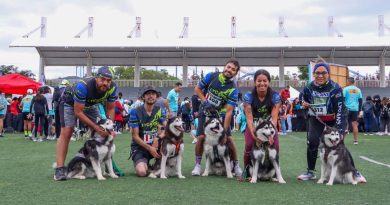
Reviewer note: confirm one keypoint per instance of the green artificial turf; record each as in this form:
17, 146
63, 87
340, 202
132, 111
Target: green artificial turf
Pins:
26, 177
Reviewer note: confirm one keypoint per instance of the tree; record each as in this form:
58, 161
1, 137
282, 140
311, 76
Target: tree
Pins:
303, 73
9, 69
127, 72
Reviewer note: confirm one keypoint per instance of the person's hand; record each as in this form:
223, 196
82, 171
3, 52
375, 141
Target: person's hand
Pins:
360, 114
102, 132
305, 104
153, 151
169, 115
206, 105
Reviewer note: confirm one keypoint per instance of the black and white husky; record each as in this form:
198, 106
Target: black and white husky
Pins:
171, 149
336, 160
217, 155
264, 158
97, 150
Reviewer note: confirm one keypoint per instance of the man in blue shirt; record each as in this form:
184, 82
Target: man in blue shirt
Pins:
219, 91
353, 101
172, 102
147, 123
81, 102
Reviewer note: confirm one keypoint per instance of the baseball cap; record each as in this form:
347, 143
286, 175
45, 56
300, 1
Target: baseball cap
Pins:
106, 72
65, 82
29, 91
147, 89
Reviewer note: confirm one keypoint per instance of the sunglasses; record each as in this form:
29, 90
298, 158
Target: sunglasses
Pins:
321, 73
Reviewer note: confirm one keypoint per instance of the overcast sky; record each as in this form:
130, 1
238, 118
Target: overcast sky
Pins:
164, 19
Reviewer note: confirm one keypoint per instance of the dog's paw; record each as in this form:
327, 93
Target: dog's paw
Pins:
205, 174
79, 177
354, 182
114, 176
253, 180
153, 176
329, 184
182, 177
230, 176
163, 177
282, 181
101, 178
320, 181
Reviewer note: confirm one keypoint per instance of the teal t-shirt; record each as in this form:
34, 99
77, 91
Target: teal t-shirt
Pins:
173, 100
27, 103
352, 94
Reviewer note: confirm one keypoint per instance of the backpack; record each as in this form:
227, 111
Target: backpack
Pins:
117, 110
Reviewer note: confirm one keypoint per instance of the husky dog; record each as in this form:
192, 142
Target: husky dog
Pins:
87, 163
336, 160
171, 150
264, 158
79, 134
217, 155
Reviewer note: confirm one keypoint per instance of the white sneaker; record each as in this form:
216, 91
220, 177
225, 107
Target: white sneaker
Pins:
118, 133
194, 141
196, 171
355, 142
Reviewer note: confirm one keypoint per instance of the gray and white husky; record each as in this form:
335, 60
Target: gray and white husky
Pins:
171, 149
264, 158
217, 154
336, 160
97, 150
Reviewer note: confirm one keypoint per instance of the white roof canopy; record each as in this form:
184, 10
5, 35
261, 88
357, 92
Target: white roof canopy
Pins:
360, 51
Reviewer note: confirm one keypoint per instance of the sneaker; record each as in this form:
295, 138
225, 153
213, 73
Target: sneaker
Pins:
1, 135
360, 178
118, 133
355, 142
196, 171
194, 141
60, 174
306, 176
26, 137
40, 140
34, 139
237, 170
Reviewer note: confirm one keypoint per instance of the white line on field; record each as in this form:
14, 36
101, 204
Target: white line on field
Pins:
375, 162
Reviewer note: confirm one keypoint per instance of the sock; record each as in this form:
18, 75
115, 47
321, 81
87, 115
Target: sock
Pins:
29, 133
25, 132
198, 159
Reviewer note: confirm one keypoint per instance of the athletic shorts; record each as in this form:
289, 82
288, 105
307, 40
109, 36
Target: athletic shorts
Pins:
139, 154
353, 116
25, 116
68, 118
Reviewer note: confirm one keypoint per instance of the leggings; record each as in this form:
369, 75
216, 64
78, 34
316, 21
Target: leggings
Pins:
249, 145
39, 120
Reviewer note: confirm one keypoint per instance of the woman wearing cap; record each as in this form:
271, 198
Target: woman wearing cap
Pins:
325, 99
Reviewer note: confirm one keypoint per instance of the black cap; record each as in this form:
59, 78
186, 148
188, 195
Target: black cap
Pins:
147, 89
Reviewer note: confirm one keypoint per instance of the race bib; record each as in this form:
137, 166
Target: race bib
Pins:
149, 136
320, 110
214, 100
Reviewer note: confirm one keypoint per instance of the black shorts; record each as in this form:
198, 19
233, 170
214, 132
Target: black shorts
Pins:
353, 116
139, 154
25, 116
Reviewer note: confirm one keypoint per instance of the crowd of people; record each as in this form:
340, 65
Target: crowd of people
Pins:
54, 116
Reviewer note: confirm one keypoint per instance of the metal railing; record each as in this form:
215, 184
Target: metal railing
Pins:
240, 83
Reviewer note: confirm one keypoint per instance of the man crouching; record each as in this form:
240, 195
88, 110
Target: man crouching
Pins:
145, 121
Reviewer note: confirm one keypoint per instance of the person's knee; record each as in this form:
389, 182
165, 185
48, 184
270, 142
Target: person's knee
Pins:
141, 169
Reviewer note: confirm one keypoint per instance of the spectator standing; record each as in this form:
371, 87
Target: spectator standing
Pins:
40, 109
3, 109
385, 116
353, 100
285, 93
172, 101
368, 115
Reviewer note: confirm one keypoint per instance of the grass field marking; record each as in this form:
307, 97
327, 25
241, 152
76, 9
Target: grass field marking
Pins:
375, 162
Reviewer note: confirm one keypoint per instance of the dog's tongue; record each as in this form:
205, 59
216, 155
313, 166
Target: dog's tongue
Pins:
180, 128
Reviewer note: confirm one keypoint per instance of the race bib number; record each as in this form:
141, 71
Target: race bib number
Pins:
149, 136
214, 100
320, 110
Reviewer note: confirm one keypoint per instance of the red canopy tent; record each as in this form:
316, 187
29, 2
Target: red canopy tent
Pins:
17, 84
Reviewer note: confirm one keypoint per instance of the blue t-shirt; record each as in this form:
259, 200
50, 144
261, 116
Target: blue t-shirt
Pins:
352, 94
4, 103
173, 100
219, 91
85, 92
134, 120
27, 103
260, 109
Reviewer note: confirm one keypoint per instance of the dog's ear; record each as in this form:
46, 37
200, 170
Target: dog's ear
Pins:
260, 121
326, 127
98, 119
